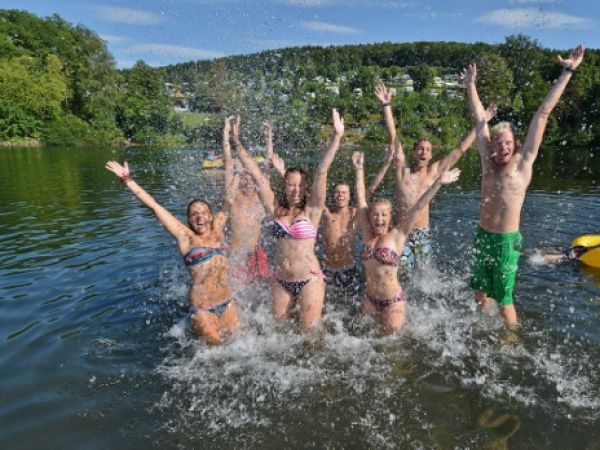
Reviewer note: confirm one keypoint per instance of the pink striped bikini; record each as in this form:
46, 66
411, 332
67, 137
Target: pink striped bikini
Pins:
300, 229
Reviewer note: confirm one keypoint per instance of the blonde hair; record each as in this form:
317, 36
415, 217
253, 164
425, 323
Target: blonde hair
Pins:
380, 201
500, 127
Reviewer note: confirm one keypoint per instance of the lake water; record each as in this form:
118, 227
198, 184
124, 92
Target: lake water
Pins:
95, 351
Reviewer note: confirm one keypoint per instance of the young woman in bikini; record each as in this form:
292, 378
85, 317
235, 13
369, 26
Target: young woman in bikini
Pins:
213, 310
383, 244
297, 274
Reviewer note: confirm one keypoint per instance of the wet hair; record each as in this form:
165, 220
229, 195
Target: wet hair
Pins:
283, 200
503, 126
193, 202
380, 201
421, 139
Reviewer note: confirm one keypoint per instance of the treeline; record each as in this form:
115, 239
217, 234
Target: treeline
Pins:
59, 85
287, 86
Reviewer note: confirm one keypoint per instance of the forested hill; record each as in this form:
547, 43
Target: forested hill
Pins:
59, 85
515, 74
311, 61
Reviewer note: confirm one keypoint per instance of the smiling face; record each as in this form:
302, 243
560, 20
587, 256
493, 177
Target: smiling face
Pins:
503, 143
421, 153
200, 217
295, 188
380, 216
341, 196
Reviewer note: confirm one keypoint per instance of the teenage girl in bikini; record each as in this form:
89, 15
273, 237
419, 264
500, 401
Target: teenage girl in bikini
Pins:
383, 244
213, 311
297, 273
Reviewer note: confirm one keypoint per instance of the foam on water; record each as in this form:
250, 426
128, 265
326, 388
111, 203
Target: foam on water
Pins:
447, 347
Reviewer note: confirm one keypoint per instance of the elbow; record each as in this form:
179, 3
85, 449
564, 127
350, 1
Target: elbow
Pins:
543, 113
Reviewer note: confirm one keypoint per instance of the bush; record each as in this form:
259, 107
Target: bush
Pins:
67, 130
15, 123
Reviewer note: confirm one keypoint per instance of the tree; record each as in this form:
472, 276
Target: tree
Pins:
494, 80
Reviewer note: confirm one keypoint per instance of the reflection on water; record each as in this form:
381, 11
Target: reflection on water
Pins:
92, 314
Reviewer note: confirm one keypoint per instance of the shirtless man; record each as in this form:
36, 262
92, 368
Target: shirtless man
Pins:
506, 169
245, 219
415, 180
339, 232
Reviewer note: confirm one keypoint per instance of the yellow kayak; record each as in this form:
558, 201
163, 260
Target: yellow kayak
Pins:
217, 163
592, 256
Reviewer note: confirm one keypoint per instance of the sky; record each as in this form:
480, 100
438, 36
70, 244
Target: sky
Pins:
162, 32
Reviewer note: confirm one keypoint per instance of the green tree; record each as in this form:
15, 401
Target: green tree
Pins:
494, 80
144, 112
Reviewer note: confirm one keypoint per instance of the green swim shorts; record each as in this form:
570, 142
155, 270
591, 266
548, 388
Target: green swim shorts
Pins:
495, 262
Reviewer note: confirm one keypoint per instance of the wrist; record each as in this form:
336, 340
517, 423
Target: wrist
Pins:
385, 104
125, 178
569, 69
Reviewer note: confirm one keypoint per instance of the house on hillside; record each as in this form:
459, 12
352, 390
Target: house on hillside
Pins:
332, 88
179, 100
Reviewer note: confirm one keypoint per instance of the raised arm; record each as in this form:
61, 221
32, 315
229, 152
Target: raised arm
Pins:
540, 119
227, 157
232, 186
263, 185
319, 186
267, 130
468, 75
272, 159
406, 224
384, 95
452, 158
358, 160
399, 166
387, 161
177, 229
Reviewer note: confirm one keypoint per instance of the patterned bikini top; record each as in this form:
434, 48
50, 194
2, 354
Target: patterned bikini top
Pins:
200, 254
300, 229
383, 255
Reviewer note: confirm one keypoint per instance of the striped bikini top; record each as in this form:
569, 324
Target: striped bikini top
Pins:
383, 255
200, 254
300, 229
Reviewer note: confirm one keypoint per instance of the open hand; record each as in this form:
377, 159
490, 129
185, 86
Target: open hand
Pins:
468, 74
383, 94
449, 176
122, 171
338, 122
358, 160
574, 58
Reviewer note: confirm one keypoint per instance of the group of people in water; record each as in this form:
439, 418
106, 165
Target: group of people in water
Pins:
392, 243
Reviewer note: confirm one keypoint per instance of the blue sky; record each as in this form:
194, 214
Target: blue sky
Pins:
169, 31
